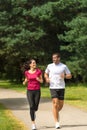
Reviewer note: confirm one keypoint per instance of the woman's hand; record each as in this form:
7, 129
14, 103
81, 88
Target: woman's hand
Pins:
40, 79
37, 78
25, 81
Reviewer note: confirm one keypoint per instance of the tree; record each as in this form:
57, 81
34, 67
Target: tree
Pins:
76, 38
33, 29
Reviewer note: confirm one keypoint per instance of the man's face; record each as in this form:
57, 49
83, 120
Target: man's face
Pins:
55, 59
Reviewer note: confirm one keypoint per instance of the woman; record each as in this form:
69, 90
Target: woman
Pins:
33, 76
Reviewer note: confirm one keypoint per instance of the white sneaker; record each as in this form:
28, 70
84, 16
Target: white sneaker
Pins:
33, 127
57, 126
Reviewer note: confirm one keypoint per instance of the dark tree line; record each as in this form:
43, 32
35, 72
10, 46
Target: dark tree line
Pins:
37, 29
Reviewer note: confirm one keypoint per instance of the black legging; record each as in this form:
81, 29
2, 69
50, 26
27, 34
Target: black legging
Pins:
33, 97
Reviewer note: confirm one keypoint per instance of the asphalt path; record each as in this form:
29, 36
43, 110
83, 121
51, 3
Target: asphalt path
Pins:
71, 118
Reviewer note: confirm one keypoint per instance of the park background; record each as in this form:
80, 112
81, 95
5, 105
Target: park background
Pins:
38, 28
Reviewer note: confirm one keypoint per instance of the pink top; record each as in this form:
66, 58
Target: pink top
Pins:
33, 84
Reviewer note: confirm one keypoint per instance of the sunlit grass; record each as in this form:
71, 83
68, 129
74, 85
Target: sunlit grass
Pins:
76, 93
8, 121
77, 96
45, 92
8, 85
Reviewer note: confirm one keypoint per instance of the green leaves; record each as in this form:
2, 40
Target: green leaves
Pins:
39, 28
76, 36
43, 13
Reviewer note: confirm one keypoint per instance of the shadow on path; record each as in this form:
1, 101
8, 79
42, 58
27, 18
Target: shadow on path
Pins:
79, 125
15, 103
63, 126
19, 103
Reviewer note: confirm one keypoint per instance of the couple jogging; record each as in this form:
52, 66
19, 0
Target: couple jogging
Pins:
55, 73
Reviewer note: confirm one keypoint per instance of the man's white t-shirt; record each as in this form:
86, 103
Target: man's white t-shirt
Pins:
54, 71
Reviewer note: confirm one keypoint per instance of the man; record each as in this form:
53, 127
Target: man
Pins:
55, 74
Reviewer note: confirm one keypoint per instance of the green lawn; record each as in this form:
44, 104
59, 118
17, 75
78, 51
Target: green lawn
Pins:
8, 121
6, 84
75, 94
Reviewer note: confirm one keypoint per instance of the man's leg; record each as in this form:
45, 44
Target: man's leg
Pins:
57, 106
61, 103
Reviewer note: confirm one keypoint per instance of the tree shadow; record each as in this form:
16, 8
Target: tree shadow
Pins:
45, 100
15, 103
76, 125
19, 103
63, 126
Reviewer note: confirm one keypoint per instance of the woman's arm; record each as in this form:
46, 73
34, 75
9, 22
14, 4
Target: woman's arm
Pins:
25, 81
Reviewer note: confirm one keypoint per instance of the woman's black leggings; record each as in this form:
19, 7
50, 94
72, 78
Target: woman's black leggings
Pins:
33, 97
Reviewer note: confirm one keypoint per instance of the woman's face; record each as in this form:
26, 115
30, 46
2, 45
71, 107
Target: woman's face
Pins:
33, 64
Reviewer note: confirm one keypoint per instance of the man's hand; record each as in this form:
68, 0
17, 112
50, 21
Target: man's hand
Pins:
48, 80
62, 75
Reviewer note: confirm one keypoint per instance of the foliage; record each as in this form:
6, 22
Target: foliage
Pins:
76, 36
37, 29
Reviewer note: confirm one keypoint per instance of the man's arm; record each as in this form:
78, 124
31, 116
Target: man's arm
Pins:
46, 76
68, 76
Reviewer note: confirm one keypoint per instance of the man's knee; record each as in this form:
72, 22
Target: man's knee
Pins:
61, 104
55, 104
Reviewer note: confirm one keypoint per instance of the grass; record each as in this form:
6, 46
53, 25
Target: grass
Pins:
8, 85
75, 95
8, 121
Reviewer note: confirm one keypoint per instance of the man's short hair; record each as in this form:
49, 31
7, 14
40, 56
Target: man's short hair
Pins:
57, 54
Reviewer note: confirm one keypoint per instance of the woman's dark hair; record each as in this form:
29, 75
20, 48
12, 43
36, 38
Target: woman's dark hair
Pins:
26, 65
30, 61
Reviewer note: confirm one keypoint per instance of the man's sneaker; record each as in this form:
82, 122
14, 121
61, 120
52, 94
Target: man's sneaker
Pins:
57, 126
33, 127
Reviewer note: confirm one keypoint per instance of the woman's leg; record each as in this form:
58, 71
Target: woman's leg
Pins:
33, 99
37, 99
30, 97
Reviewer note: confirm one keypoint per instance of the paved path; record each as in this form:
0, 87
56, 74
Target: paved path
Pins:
71, 118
